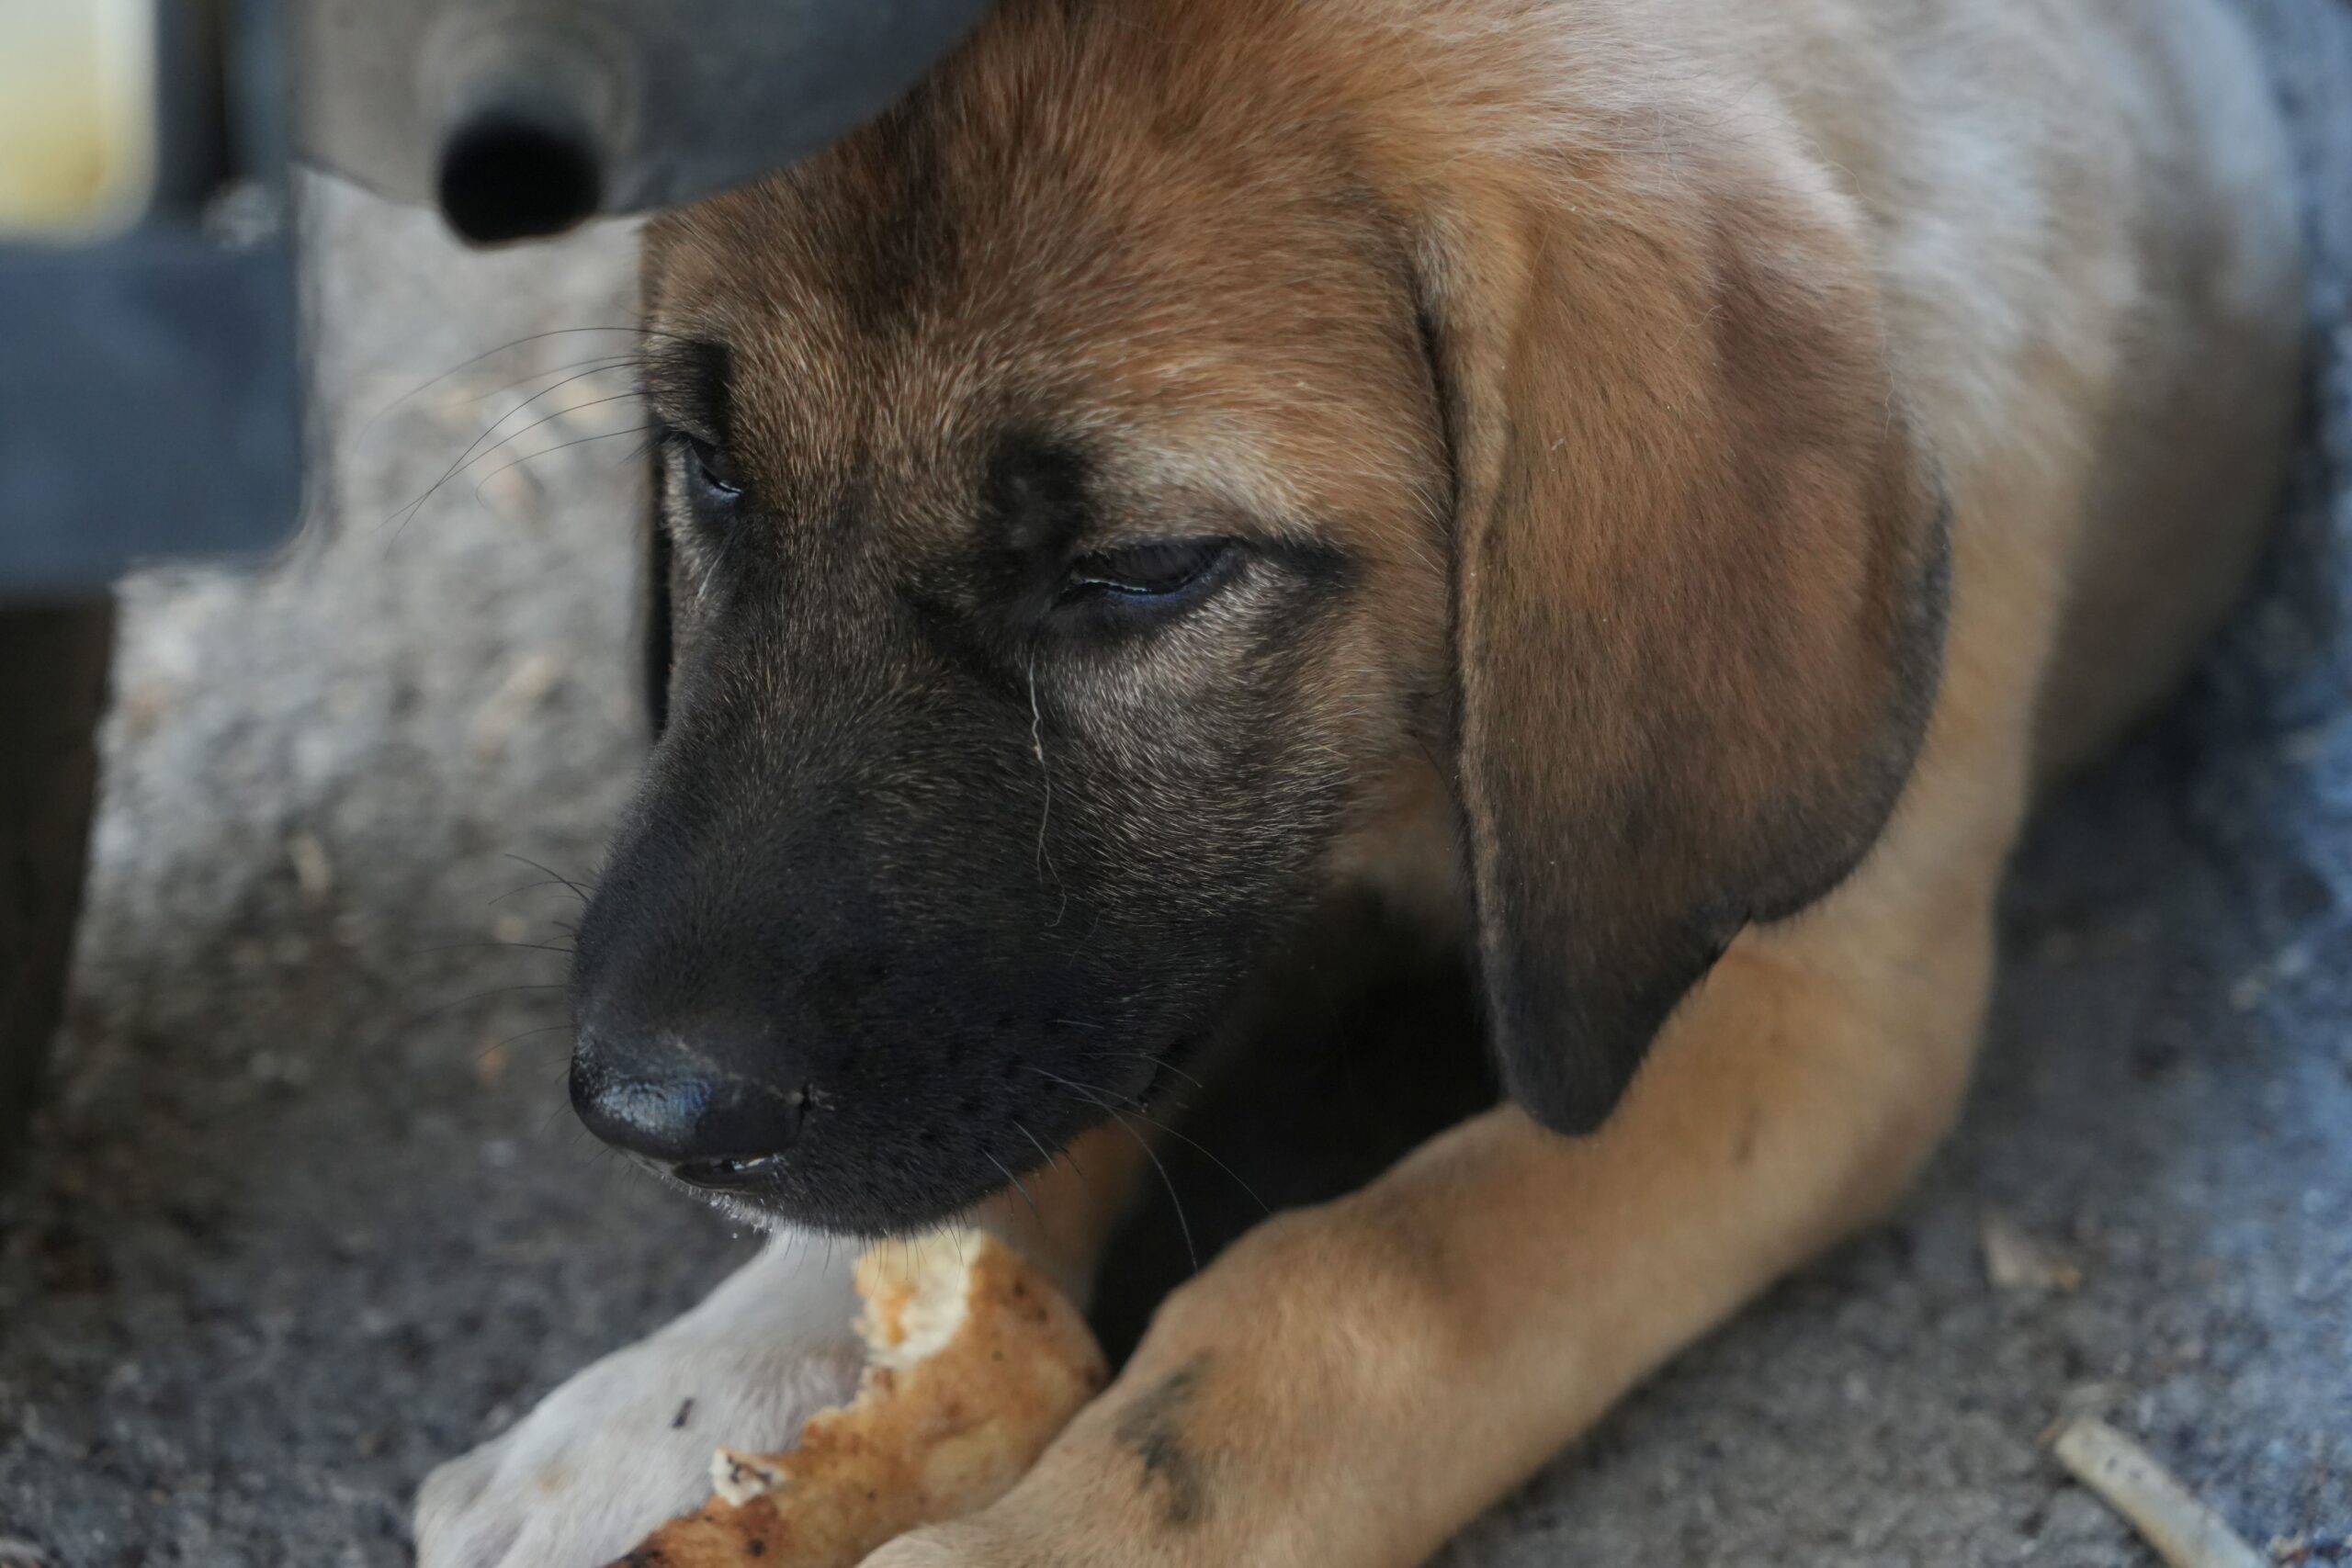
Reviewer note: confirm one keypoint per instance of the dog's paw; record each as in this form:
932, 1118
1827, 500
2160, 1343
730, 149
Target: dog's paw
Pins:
627, 1444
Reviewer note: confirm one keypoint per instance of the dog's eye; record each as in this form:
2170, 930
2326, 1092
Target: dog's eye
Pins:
1161, 572
711, 469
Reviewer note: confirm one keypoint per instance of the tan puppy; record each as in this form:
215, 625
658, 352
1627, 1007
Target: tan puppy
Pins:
1654, 483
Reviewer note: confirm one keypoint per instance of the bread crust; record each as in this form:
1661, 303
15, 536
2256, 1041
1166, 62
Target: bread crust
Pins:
975, 1361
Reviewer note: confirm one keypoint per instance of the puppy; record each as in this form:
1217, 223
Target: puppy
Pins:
1652, 486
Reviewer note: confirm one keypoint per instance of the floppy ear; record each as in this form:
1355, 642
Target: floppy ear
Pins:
1699, 584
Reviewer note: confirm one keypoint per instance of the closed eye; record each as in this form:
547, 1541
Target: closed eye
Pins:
713, 474
1160, 574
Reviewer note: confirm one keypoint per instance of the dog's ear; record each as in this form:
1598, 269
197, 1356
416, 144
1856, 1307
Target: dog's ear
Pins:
1699, 584
657, 645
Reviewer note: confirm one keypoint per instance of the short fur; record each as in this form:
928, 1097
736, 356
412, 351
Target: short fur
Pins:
1689, 469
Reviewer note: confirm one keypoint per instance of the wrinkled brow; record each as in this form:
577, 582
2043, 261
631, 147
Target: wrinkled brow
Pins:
689, 383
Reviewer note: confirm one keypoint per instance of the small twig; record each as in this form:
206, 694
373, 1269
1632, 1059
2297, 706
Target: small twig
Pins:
2184, 1531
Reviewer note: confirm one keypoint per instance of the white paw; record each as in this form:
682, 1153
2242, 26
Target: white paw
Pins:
627, 1443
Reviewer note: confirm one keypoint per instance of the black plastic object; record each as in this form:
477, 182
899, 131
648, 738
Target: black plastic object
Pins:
149, 406
508, 179
151, 395
53, 690
520, 117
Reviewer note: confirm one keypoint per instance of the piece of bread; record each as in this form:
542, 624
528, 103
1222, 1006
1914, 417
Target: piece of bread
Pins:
974, 1361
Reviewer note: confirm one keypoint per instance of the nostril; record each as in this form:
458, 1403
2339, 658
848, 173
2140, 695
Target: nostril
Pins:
711, 1129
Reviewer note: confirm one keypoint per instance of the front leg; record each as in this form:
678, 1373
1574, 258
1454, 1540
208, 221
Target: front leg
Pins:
626, 1442
1351, 1384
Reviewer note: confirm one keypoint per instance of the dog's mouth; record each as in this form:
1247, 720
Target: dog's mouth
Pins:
728, 1175
807, 1185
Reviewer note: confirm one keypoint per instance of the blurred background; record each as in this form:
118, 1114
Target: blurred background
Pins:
304, 1210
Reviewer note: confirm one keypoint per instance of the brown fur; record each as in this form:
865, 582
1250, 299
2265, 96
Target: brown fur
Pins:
1695, 545
1648, 364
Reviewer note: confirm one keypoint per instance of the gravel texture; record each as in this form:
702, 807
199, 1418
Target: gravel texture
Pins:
306, 1211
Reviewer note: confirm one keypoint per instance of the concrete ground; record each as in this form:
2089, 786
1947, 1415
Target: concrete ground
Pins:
307, 1212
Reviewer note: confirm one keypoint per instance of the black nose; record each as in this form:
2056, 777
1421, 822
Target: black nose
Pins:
687, 1098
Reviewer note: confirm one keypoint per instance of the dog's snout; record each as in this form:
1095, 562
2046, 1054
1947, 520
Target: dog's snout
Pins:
673, 1096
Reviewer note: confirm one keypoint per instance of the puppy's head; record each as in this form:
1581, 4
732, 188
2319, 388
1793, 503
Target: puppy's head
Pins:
1099, 493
